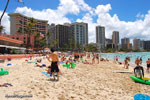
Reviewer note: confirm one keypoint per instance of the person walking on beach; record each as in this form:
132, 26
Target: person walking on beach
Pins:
93, 59
148, 64
54, 64
126, 63
97, 57
140, 60
137, 61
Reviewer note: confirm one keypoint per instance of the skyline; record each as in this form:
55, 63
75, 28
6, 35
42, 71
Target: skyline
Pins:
100, 12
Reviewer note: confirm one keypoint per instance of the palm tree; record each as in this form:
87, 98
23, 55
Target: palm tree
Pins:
29, 31
6, 9
1, 29
52, 43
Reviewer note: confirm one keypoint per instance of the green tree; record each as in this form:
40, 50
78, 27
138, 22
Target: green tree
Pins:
53, 42
90, 48
29, 31
1, 29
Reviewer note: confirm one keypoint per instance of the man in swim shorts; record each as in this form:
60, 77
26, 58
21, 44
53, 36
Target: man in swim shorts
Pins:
54, 64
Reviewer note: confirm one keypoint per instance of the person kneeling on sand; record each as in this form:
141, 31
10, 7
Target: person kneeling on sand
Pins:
54, 64
138, 70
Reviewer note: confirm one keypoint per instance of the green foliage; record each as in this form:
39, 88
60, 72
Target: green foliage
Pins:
1, 28
90, 48
14, 51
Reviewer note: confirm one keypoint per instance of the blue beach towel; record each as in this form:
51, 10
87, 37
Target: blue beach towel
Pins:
49, 75
141, 97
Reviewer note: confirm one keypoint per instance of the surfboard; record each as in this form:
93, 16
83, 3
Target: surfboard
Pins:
120, 71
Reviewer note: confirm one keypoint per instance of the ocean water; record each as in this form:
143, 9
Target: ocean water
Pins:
132, 55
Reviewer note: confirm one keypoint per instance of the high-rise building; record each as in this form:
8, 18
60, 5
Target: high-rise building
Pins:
136, 44
51, 33
141, 44
109, 44
19, 21
147, 45
80, 31
63, 35
125, 43
115, 39
100, 36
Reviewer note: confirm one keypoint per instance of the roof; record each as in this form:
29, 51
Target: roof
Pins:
14, 14
13, 47
10, 40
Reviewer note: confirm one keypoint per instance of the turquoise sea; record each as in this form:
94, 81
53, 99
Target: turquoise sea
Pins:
132, 55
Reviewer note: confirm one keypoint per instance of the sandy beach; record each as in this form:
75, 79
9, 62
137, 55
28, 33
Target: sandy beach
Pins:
84, 82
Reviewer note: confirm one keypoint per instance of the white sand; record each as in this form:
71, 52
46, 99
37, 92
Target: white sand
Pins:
85, 82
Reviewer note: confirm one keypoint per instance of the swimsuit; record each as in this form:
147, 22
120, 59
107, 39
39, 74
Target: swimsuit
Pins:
54, 67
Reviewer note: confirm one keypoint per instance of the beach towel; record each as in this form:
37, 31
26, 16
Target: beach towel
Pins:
49, 75
141, 97
6, 85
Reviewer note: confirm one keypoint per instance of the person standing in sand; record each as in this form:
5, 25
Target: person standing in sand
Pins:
148, 64
54, 64
137, 61
97, 57
93, 59
126, 63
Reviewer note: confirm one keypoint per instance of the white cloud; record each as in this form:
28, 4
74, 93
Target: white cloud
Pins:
139, 28
5, 22
52, 16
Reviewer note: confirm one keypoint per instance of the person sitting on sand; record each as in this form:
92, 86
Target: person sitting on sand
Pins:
138, 70
86, 62
54, 64
88, 56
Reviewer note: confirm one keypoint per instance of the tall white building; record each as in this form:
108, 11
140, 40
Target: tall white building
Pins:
115, 38
100, 36
136, 44
80, 31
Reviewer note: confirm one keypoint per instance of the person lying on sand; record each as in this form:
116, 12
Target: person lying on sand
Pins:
54, 64
138, 70
86, 62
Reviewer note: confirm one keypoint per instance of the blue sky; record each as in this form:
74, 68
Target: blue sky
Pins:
125, 9
130, 17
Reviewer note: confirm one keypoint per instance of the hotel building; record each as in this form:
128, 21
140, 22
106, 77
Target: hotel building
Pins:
19, 21
100, 36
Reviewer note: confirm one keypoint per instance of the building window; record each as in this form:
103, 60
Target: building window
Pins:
17, 38
24, 38
13, 38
